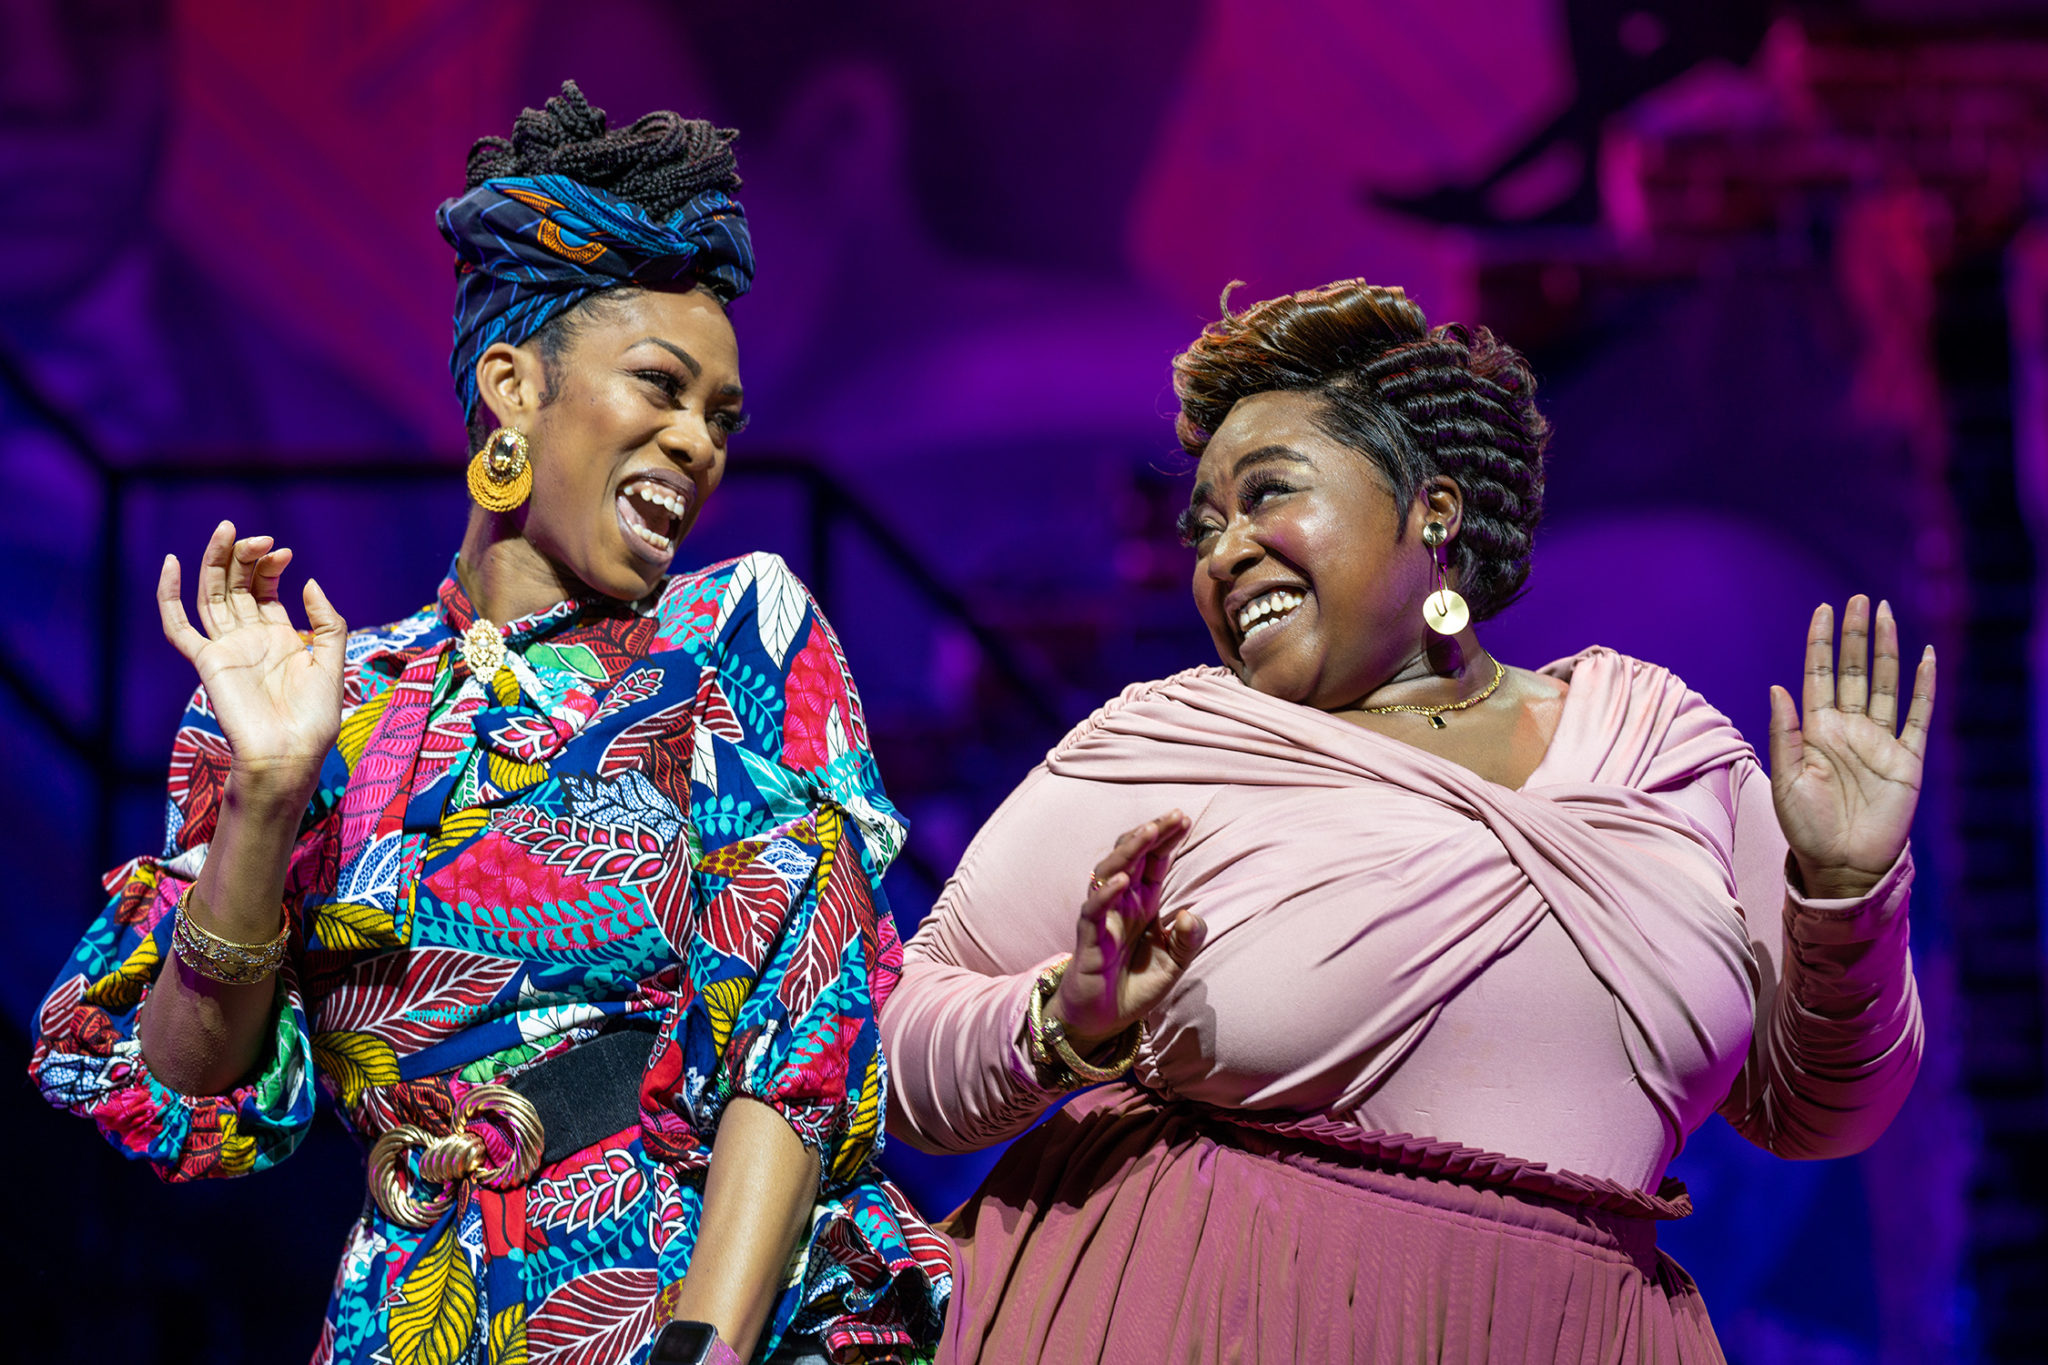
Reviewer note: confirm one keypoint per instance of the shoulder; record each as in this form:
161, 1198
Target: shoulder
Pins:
1647, 726
1156, 694
754, 603
1598, 668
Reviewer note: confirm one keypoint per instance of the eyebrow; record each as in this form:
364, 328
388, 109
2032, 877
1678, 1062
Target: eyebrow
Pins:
1267, 454
689, 361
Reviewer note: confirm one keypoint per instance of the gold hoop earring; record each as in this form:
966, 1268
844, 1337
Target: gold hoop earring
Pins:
501, 474
1443, 611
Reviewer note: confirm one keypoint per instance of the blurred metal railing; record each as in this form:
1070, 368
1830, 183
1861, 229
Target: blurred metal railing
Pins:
828, 507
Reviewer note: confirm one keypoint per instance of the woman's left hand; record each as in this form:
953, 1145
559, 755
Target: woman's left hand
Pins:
1844, 784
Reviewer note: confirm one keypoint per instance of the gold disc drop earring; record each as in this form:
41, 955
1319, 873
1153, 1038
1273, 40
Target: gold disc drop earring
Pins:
501, 474
1443, 611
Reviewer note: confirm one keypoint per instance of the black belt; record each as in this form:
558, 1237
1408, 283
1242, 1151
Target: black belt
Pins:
590, 1092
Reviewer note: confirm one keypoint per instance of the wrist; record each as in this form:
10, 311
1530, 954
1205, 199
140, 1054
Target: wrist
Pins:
1833, 883
271, 790
1089, 1042
1055, 1054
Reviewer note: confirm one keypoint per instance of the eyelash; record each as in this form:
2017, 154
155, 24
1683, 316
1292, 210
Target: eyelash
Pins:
1254, 490
671, 388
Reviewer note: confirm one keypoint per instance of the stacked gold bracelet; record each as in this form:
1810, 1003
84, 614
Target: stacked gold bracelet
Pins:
218, 959
1050, 1048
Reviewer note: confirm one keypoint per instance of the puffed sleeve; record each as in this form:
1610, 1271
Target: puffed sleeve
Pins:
87, 1058
791, 946
1838, 1030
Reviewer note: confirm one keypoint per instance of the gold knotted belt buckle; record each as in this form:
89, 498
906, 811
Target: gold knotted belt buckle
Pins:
454, 1158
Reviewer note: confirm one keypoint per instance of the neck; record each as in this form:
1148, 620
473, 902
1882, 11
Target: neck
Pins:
1440, 659
505, 576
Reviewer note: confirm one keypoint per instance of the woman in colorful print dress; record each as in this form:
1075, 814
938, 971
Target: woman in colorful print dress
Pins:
580, 865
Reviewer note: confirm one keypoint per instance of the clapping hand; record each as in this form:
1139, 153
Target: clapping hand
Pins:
1125, 957
1844, 784
277, 698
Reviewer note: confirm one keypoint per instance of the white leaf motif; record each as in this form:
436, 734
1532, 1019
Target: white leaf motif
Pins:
835, 734
371, 878
791, 860
735, 588
704, 762
541, 1025
779, 603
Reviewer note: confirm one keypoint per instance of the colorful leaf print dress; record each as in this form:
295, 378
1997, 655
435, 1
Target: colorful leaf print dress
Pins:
664, 816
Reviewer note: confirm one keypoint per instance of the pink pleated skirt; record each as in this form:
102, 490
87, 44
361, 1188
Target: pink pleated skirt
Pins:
1132, 1232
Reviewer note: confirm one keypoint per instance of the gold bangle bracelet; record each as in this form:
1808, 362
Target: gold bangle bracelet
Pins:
222, 960
1049, 1045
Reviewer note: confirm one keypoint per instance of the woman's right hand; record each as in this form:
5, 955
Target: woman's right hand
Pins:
1125, 957
277, 700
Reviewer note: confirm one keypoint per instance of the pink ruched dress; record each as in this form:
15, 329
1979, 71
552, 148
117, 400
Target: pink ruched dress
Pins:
1415, 1096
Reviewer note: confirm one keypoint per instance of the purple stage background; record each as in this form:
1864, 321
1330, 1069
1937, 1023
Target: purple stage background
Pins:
1782, 268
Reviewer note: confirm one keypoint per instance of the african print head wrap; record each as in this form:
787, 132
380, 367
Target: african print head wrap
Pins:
529, 248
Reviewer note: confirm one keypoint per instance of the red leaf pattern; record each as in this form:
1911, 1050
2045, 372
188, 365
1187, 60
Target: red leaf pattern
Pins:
659, 746
714, 709
746, 918
611, 855
592, 1193
415, 999
844, 904
599, 1318
199, 773
642, 684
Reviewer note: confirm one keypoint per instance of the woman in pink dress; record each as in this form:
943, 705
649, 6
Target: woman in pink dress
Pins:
1413, 971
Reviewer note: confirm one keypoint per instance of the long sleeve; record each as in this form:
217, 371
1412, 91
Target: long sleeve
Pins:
954, 1029
1838, 1033
788, 949
784, 935
87, 1058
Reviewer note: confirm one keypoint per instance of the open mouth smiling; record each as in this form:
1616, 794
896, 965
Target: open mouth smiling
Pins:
1265, 611
652, 511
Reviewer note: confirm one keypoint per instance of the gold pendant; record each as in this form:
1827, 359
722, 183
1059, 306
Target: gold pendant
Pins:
1437, 722
1445, 612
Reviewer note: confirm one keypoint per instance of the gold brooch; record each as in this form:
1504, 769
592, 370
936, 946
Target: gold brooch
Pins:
483, 649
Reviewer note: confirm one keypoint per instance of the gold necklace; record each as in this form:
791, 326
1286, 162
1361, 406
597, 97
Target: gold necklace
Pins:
1436, 713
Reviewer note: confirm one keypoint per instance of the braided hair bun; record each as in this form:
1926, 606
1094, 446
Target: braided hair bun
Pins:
658, 162
1419, 401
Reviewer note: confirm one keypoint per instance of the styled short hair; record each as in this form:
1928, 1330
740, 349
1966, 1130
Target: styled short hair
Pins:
1418, 401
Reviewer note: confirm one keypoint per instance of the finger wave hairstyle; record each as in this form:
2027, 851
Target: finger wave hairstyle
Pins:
1418, 401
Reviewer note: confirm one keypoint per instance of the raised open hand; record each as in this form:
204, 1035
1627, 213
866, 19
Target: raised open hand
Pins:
1844, 784
278, 701
1125, 957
